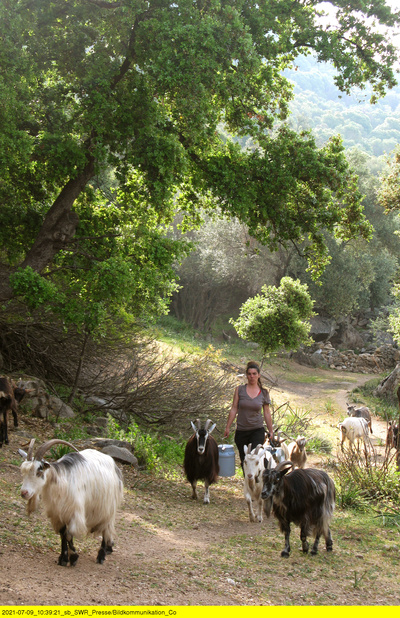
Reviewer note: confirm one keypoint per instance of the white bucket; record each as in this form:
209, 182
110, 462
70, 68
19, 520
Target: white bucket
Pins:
226, 460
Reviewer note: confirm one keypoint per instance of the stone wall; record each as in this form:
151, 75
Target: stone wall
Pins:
376, 360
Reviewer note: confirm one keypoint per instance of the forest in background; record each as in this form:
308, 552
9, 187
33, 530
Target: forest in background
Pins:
132, 132
228, 266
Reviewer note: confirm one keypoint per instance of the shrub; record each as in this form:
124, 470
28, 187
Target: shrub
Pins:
363, 479
154, 452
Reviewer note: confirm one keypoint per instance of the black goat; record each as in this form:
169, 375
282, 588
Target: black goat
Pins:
10, 396
305, 497
201, 459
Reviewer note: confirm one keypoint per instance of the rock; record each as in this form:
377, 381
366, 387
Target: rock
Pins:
318, 359
347, 336
322, 328
101, 421
121, 454
105, 442
59, 408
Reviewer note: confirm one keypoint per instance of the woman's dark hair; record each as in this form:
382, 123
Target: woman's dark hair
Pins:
254, 365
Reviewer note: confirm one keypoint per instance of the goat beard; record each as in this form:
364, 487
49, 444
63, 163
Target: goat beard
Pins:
268, 506
32, 504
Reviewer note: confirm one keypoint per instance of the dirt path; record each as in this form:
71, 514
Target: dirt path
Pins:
173, 551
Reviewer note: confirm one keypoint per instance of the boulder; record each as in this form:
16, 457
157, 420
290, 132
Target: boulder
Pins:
322, 328
60, 409
121, 454
348, 337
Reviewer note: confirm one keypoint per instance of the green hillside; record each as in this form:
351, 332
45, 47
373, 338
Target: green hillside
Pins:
319, 105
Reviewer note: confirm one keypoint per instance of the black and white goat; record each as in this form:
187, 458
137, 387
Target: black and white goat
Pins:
304, 497
254, 463
201, 461
276, 446
80, 492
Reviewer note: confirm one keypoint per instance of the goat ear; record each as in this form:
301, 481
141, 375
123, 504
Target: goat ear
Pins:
245, 449
22, 453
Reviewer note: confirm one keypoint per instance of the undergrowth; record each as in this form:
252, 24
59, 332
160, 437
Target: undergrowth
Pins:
364, 481
155, 452
384, 408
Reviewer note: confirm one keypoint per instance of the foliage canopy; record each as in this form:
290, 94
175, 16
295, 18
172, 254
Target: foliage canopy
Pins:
111, 114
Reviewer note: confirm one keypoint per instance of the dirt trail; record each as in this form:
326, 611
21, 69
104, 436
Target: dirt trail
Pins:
173, 551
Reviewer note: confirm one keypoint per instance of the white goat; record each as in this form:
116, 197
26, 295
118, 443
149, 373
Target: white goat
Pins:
80, 492
254, 463
354, 429
297, 451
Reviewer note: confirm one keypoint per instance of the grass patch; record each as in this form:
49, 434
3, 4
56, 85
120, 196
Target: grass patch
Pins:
379, 406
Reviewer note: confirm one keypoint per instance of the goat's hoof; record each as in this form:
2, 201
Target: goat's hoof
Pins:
62, 561
284, 554
101, 556
73, 559
314, 552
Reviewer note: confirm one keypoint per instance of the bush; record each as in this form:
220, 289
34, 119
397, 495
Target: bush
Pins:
154, 452
363, 480
380, 406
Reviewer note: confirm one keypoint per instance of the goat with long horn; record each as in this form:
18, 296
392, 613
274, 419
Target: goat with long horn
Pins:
81, 492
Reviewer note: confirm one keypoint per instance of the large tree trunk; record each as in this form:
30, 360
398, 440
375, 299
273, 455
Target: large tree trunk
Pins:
58, 227
387, 388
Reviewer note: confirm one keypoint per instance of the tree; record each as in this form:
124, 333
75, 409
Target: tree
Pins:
389, 198
140, 88
276, 318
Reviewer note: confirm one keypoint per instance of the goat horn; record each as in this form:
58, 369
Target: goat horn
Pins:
284, 465
48, 445
29, 456
207, 423
197, 423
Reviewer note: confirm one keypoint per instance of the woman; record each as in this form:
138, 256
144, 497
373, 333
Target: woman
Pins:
248, 401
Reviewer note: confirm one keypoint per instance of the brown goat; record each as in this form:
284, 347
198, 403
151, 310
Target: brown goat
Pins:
304, 497
297, 452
